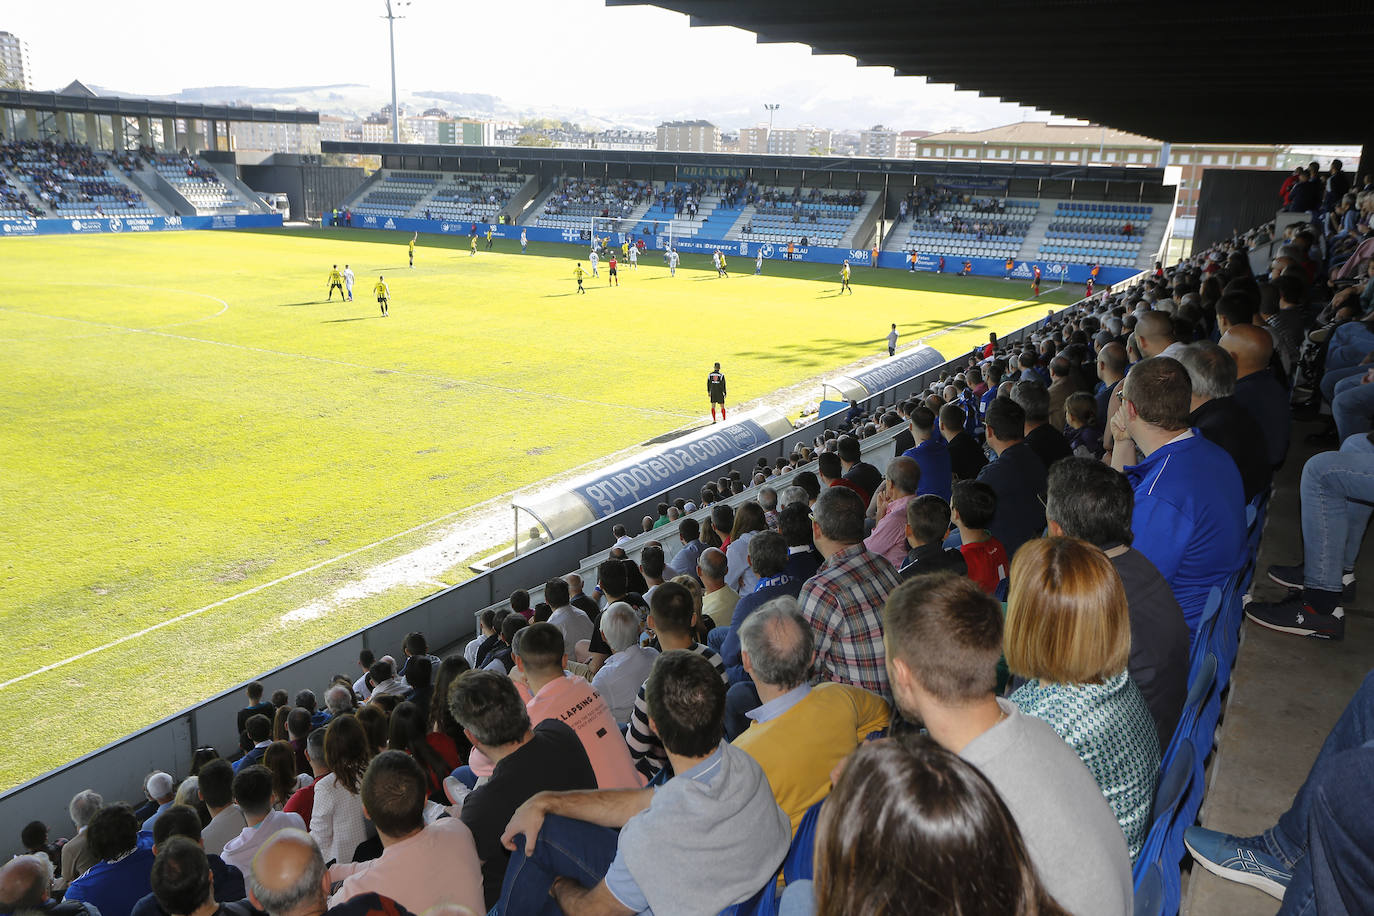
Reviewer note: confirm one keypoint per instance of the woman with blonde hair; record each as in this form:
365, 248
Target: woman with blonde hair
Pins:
1068, 633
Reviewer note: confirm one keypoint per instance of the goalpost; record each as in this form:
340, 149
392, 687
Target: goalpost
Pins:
616, 231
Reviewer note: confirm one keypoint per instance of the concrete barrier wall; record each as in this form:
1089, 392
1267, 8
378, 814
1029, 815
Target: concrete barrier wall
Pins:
118, 769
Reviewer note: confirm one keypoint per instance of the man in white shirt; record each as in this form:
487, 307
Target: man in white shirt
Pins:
253, 794
571, 622
634, 258
594, 258
524, 241
619, 679
348, 281
384, 680
892, 341
672, 262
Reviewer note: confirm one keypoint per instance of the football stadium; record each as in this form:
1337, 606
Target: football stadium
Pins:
387, 506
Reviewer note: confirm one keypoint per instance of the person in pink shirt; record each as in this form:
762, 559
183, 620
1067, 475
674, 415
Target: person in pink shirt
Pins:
422, 865
889, 535
552, 693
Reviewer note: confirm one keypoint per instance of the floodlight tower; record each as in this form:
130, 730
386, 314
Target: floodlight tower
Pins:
391, 18
771, 107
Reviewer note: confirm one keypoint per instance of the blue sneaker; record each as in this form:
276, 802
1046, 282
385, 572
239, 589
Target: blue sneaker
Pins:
1244, 860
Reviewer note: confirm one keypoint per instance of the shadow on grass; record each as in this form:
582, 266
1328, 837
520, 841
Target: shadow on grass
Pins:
359, 318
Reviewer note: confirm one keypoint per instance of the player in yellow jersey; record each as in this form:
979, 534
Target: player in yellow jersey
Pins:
383, 295
336, 282
488, 238
844, 279
412, 248
580, 274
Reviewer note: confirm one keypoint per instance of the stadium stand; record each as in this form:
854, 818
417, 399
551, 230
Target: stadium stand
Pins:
69, 178
821, 217
573, 201
1110, 234
946, 222
461, 196
1177, 574
198, 183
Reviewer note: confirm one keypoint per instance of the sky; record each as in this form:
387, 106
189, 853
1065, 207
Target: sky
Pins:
632, 65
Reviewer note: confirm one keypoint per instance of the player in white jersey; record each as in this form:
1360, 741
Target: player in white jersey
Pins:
715, 261
672, 262
634, 258
524, 241
594, 258
758, 262
348, 281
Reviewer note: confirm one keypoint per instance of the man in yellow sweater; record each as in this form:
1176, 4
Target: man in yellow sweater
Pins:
801, 731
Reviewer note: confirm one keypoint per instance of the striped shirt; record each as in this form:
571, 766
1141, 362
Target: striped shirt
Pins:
843, 602
647, 751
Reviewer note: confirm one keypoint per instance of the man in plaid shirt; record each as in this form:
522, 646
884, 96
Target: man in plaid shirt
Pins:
843, 602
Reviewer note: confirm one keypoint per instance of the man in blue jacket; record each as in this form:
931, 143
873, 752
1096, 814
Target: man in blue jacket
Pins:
1189, 517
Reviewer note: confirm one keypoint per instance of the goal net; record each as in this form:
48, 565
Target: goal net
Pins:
610, 233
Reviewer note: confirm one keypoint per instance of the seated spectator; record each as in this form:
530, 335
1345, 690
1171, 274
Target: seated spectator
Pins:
1154, 335
1068, 632
843, 600
259, 731
1111, 369
927, 523
289, 879
749, 522
216, 780
888, 538
477, 650
684, 562
800, 732
550, 692
901, 811
76, 854
338, 701
945, 639
656, 862
1316, 856
966, 456
973, 511
1222, 420
1189, 517
297, 729
253, 795
303, 801
1046, 440
794, 524
256, 706
619, 679
1336, 503
408, 731
1257, 388
652, 566
1081, 432
120, 878
718, 599
183, 823
831, 472
768, 558
1063, 382
385, 683
672, 619
422, 865
337, 822
613, 580
548, 757
305, 699
931, 453
26, 885
500, 659
1017, 477
1090, 501
280, 761
182, 882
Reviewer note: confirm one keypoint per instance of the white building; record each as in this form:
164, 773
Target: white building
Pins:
689, 136
14, 62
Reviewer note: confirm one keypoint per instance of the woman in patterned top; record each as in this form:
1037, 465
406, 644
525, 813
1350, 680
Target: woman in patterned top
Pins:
1068, 633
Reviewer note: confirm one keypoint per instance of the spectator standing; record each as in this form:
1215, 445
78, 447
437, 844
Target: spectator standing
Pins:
1017, 477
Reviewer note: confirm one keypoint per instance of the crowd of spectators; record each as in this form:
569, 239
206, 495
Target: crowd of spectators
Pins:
184, 164
59, 173
595, 197
1021, 579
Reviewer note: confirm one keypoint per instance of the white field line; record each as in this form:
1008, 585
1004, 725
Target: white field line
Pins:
350, 365
473, 525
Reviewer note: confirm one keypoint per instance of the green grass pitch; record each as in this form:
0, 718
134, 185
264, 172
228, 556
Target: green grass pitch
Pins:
184, 421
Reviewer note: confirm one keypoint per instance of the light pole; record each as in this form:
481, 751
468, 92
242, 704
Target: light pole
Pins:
771, 108
391, 18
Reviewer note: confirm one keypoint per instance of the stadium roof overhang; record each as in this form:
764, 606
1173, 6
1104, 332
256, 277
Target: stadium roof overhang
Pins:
1185, 72
148, 108
528, 156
